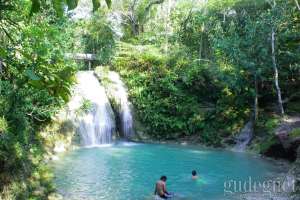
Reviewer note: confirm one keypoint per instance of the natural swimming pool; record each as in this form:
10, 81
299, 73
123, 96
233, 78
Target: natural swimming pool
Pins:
128, 171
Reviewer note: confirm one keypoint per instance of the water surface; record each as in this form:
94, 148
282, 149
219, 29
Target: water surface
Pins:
128, 171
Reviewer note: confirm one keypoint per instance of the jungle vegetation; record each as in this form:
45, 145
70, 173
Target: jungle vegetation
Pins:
197, 69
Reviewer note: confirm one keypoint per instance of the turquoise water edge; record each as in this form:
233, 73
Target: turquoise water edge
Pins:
128, 171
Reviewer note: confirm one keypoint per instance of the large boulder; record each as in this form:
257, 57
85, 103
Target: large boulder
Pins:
60, 135
286, 140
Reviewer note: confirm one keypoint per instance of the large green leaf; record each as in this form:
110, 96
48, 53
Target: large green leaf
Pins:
31, 75
96, 4
36, 84
35, 6
72, 4
59, 6
108, 2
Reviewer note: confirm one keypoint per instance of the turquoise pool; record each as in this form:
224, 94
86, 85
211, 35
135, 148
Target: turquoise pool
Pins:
128, 171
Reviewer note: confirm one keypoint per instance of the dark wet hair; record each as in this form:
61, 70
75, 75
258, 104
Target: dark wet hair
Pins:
194, 173
163, 178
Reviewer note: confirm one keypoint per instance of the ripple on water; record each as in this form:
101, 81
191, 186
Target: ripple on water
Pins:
128, 171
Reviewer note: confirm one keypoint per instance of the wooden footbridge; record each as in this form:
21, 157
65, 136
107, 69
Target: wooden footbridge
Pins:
82, 56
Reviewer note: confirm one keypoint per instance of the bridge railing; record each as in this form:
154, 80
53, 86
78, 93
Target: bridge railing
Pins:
82, 56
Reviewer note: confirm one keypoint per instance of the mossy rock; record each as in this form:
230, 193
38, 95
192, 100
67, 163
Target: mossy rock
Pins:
265, 145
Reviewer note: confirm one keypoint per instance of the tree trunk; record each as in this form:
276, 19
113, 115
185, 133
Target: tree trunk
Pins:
135, 29
1, 65
297, 4
200, 46
276, 74
167, 25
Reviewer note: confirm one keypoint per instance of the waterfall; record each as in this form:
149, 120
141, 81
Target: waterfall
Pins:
97, 124
244, 138
120, 95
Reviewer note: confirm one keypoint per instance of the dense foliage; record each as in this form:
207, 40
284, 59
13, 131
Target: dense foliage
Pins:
35, 82
217, 71
195, 69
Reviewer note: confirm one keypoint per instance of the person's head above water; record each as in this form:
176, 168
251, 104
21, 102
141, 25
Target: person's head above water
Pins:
194, 173
163, 178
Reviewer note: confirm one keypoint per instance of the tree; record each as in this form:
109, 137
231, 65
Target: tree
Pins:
276, 73
274, 21
297, 4
137, 13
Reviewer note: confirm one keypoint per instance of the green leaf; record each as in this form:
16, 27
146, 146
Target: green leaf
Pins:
31, 75
96, 4
108, 3
35, 6
3, 53
36, 84
72, 4
59, 7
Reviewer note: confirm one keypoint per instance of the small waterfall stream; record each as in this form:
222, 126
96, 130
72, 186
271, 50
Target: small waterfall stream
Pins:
120, 95
97, 125
90, 109
244, 138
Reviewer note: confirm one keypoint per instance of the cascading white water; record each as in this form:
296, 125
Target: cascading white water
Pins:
97, 125
244, 138
121, 96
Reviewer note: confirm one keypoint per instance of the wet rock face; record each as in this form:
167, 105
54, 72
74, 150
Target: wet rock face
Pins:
278, 151
286, 144
244, 138
284, 130
118, 95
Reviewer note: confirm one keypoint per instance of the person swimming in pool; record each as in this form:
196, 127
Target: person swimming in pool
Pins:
194, 175
161, 189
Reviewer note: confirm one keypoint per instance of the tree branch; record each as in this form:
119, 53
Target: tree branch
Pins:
297, 4
152, 3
